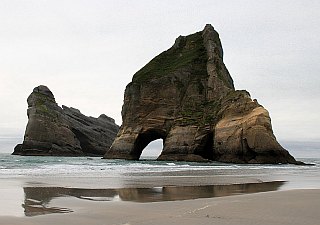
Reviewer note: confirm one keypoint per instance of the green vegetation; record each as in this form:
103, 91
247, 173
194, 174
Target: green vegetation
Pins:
41, 106
204, 113
39, 101
188, 54
192, 54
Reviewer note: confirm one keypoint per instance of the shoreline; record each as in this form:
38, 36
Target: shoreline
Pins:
276, 207
81, 191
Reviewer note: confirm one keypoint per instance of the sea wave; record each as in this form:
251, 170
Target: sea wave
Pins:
21, 166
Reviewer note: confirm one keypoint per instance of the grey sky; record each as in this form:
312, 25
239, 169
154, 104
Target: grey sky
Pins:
87, 51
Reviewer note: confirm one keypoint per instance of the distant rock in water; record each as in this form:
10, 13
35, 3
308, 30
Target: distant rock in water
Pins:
56, 131
186, 97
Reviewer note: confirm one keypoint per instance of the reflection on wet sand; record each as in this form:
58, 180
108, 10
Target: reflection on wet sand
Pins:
35, 208
37, 199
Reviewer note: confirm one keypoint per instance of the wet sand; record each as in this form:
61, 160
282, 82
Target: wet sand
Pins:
178, 198
21, 197
275, 207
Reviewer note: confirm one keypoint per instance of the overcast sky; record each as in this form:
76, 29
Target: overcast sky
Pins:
86, 52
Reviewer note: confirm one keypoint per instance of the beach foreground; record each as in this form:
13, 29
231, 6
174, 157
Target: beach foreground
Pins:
277, 207
76, 191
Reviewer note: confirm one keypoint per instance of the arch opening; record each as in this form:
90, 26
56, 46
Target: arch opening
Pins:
153, 150
144, 139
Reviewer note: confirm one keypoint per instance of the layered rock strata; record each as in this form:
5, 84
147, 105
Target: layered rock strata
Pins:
56, 131
186, 97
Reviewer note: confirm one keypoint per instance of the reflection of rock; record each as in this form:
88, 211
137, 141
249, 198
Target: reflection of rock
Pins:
34, 208
186, 97
46, 194
127, 194
209, 191
56, 131
37, 199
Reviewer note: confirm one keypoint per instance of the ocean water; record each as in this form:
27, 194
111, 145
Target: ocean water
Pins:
37, 167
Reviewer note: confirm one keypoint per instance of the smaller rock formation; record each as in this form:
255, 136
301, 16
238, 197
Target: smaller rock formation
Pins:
56, 131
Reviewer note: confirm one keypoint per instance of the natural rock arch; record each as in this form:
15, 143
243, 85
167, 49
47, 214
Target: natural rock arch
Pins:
186, 96
145, 138
153, 150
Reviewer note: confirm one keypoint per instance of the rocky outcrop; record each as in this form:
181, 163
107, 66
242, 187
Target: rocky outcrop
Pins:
56, 131
186, 97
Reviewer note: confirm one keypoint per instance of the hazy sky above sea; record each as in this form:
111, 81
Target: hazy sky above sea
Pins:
86, 52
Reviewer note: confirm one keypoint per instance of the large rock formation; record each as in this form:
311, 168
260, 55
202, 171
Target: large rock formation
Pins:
56, 131
186, 97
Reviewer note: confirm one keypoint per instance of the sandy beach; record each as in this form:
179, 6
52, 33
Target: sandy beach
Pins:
76, 191
278, 207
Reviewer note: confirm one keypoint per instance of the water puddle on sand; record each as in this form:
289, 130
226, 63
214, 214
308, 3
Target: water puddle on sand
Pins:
38, 200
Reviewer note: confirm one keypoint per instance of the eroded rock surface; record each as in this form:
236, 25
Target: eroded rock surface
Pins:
186, 97
56, 131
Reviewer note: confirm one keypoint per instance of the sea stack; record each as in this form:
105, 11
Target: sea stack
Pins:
186, 97
56, 131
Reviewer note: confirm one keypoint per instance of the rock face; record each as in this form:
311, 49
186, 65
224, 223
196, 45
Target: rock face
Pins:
56, 131
186, 97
